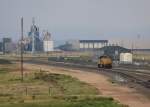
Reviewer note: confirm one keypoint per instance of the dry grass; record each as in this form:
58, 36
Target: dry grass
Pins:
44, 89
40, 83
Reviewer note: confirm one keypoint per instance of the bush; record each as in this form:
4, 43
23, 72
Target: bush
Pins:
4, 61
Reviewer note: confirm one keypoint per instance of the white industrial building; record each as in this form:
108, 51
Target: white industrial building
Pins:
48, 44
85, 45
92, 44
126, 58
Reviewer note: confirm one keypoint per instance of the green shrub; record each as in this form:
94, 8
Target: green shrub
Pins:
4, 61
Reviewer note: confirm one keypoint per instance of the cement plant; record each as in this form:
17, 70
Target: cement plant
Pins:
74, 54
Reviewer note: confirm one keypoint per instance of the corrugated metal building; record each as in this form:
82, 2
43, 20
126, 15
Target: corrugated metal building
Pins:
112, 51
92, 44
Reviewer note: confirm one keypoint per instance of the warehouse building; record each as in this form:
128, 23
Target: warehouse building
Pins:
112, 51
84, 45
92, 44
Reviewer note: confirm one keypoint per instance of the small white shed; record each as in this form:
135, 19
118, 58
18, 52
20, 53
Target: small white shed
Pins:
126, 58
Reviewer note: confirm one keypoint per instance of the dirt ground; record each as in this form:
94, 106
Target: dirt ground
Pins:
123, 94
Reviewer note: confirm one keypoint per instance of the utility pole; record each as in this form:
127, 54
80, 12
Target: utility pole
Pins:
21, 50
132, 47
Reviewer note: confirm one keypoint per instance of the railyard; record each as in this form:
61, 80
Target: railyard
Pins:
131, 76
123, 79
124, 93
47, 86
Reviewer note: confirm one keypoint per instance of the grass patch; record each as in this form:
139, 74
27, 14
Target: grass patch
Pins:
66, 84
3, 70
44, 89
42, 83
69, 102
4, 61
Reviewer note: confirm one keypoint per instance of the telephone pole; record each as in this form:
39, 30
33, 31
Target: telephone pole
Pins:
21, 50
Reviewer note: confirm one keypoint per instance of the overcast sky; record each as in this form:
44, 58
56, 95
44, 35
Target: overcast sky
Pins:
116, 20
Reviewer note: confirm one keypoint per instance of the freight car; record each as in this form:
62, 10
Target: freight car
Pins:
105, 62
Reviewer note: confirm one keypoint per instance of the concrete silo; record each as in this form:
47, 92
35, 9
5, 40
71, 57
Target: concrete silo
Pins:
47, 42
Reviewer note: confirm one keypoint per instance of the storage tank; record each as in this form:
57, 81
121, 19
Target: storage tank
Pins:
126, 58
48, 45
47, 42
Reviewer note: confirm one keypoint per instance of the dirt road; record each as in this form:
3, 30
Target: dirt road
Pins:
124, 95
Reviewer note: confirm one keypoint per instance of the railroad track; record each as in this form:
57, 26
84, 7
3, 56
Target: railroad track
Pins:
141, 78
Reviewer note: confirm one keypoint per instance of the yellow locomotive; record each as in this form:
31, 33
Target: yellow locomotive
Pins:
105, 62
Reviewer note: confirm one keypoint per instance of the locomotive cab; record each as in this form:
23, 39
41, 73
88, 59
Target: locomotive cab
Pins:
105, 62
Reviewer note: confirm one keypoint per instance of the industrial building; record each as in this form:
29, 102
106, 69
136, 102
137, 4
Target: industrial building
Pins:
7, 45
73, 45
35, 42
47, 42
112, 51
126, 58
92, 44
84, 45
1, 46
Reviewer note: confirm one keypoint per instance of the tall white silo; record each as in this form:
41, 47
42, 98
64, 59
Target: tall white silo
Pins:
48, 44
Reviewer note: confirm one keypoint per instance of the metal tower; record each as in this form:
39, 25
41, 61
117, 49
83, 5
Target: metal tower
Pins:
33, 35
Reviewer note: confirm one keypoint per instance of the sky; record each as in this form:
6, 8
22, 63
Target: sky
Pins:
125, 22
